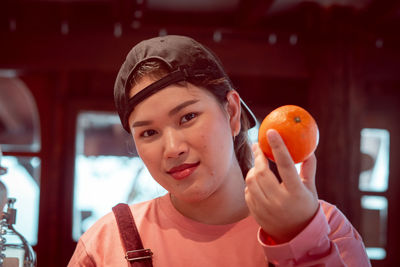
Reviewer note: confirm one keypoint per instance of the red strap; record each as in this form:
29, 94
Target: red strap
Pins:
136, 255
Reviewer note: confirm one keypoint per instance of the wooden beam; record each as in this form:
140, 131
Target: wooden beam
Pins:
379, 11
104, 52
251, 12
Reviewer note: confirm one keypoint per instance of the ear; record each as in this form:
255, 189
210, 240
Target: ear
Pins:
234, 109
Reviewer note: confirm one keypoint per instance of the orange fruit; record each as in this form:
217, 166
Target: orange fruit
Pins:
297, 128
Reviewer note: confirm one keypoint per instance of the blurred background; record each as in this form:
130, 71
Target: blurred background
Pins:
69, 160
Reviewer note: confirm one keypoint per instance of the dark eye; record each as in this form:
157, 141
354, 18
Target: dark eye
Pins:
188, 117
148, 133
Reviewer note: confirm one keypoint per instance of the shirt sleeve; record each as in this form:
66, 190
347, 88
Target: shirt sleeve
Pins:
329, 239
80, 258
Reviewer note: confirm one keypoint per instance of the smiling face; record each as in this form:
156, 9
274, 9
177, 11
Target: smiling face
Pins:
184, 137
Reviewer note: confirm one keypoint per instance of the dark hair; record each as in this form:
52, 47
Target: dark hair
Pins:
157, 69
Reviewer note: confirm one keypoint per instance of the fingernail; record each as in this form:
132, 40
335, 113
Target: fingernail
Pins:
273, 136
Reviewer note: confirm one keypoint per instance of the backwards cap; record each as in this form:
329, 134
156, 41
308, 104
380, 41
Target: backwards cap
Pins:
187, 59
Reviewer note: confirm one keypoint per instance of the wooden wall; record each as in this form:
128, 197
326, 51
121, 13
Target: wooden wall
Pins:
334, 70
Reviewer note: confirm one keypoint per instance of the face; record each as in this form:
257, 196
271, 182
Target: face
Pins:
184, 137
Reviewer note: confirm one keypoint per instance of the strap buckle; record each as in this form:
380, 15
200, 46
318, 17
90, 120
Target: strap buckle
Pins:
138, 254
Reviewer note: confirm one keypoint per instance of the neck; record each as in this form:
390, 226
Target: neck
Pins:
226, 205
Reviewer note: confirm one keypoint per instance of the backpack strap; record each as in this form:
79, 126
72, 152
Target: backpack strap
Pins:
135, 254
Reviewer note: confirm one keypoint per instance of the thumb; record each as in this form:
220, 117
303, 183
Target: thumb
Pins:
307, 173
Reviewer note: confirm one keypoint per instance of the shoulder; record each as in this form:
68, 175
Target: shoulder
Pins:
106, 228
101, 243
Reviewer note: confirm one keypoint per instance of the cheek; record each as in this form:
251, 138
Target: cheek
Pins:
213, 139
147, 154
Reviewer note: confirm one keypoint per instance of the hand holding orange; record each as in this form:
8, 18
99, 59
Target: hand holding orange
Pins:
297, 128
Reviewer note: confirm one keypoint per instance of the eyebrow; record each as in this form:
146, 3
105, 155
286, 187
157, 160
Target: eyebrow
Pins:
170, 113
182, 106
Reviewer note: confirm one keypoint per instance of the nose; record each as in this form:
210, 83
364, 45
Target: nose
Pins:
174, 143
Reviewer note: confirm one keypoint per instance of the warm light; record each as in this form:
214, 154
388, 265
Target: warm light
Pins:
64, 28
162, 32
272, 38
117, 30
217, 36
379, 43
293, 39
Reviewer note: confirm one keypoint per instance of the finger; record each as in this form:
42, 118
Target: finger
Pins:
259, 158
257, 207
262, 169
253, 191
254, 186
283, 159
307, 173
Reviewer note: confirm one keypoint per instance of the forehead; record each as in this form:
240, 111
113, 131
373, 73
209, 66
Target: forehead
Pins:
140, 85
169, 96
148, 80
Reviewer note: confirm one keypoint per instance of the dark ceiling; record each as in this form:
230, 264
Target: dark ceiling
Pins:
123, 16
96, 34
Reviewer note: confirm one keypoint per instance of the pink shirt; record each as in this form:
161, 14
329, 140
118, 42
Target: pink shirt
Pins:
178, 241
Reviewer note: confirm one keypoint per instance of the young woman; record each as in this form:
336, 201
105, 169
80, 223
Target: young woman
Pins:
190, 129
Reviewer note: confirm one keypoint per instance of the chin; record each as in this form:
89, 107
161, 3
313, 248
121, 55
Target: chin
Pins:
193, 196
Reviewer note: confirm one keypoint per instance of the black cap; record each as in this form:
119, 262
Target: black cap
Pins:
187, 59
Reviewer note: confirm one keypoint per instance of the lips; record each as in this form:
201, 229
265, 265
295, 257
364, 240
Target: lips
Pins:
182, 171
